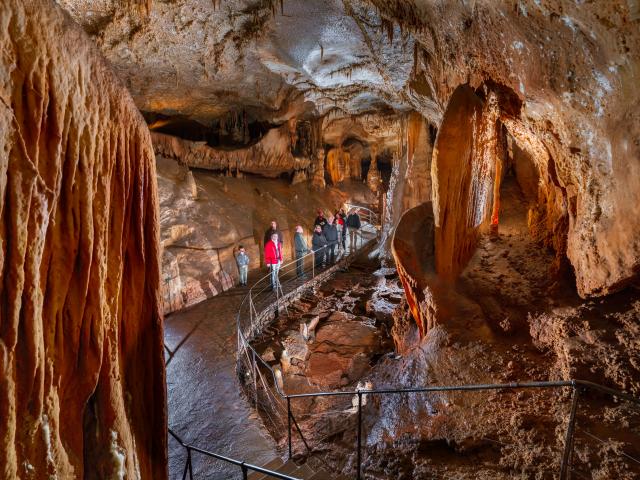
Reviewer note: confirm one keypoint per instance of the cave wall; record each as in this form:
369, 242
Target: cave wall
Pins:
575, 69
82, 385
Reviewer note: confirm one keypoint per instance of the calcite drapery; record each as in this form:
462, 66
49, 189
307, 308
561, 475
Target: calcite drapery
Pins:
463, 171
82, 386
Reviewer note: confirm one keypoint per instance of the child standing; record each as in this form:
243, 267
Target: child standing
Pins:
242, 259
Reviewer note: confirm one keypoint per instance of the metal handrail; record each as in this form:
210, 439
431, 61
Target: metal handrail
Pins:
575, 385
243, 465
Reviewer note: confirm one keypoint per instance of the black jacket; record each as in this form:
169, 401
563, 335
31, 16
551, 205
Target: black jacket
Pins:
271, 231
353, 221
322, 221
330, 232
318, 241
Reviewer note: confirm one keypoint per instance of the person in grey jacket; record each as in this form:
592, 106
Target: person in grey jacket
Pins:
242, 259
300, 245
331, 234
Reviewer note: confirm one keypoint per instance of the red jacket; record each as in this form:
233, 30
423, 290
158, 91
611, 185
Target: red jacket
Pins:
272, 253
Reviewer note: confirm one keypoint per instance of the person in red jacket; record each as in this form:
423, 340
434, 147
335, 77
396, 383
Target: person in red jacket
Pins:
273, 258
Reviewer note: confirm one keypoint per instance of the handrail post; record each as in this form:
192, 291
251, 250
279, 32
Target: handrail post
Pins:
245, 471
359, 434
289, 423
568, 442
255, 376
187, 465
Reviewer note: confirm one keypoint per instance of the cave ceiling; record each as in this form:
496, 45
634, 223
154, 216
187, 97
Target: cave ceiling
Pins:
203, 59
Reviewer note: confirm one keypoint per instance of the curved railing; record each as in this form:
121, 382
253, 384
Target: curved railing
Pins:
264, 384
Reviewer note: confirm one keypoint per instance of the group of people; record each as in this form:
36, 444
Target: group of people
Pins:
328, 237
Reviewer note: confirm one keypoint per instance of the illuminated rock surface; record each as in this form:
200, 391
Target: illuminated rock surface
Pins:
82, 385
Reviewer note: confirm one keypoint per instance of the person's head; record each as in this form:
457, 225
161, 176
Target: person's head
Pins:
274, 238
330, 219
241, 249
274, 225
299, 228
342, 211
318, 229
320, 213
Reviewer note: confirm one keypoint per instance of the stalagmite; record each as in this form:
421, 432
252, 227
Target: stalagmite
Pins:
373, 175
82, 383
462, 172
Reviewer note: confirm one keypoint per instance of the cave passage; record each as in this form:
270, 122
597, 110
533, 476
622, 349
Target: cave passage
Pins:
472, 167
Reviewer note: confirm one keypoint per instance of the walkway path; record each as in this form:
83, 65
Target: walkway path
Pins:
205, 405
204, 400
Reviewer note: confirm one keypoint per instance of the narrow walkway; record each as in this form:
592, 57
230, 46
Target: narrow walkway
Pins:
205, 405
204, 400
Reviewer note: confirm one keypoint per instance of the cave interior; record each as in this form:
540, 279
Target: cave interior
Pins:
497, 146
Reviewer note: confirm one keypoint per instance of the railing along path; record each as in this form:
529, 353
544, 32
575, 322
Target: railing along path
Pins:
262, 304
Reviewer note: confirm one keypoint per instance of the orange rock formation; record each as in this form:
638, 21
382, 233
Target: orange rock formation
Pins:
82, 385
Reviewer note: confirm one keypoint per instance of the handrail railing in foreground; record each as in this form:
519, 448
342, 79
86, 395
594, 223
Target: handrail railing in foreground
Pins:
254, 296
244, 466
276, 403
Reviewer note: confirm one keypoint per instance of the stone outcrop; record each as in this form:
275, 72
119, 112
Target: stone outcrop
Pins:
413, 249
82, 384
270, 157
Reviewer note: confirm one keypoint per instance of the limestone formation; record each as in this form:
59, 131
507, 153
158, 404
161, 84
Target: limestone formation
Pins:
82, 382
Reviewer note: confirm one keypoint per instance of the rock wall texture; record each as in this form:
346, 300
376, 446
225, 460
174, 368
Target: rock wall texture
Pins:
200, 234
270, 157
82, 386
565, 77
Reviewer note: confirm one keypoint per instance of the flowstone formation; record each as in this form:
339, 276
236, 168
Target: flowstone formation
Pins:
82, 385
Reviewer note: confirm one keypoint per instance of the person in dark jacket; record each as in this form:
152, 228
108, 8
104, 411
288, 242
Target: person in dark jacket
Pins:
331, 234
273, 229
353, 225
301, 248
318, 244
320, 220
343, 216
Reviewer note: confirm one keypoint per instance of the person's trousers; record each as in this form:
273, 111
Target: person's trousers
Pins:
353, 239
275, 269
319, 257
299, 263
331, 253
244, 269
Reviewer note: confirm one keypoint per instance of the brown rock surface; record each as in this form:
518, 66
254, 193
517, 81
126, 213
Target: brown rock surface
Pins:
82, 385
200, 236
